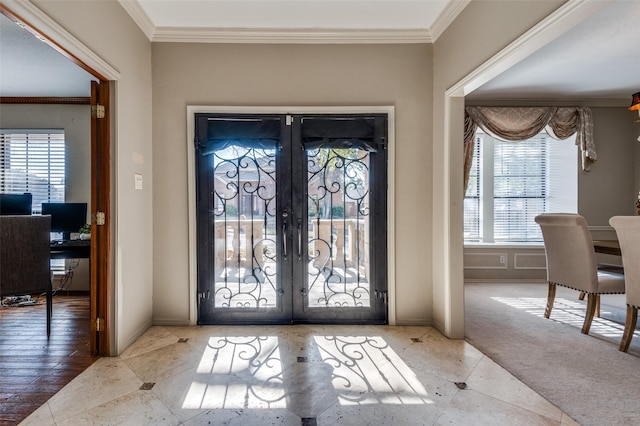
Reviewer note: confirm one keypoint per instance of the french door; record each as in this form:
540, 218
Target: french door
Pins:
291, 218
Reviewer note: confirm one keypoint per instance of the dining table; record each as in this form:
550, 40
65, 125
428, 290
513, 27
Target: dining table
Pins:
611, 247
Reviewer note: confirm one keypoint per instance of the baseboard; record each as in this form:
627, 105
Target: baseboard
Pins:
505, 281
135, 336
439, 326
416, 322
73, 293
171, 322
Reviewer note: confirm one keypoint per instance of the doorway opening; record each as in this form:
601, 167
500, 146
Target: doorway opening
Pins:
99, 99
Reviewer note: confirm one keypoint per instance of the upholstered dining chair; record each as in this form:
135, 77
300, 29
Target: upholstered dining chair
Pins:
628, 230
25, 258
571, 262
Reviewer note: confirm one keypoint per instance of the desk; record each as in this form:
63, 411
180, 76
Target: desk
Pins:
611, 247
70, 249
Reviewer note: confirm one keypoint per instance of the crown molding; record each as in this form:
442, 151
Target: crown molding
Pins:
556, 101
139, 16
293, 35
446, 17
289, 36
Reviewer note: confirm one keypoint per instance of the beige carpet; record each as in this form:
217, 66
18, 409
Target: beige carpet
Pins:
585, 376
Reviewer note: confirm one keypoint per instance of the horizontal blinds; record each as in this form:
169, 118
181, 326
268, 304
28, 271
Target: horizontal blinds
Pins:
472, 198
520, 188
35, 163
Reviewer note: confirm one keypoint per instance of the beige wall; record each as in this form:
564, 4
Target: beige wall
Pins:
609, 189
481, 30
293, 75
106, 29
636, 138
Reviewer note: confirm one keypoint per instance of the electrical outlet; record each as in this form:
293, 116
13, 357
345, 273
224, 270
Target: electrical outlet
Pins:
503, 259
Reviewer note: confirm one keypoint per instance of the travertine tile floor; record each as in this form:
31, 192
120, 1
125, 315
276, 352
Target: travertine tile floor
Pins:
297, 375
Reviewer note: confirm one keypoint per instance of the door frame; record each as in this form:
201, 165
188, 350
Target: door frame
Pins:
191, 183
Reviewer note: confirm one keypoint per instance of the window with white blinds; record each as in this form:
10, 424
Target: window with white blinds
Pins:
472, 198
33, 161
519, 189
513, 182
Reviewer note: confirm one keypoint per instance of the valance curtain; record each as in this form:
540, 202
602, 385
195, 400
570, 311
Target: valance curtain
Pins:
249, 132
339, 132
521, 123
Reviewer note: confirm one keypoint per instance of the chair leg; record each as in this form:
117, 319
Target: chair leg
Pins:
49, 311
593, 301
582, 294
551, 296
629, 327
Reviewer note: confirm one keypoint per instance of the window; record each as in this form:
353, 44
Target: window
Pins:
33, 161
472, 198
510, 183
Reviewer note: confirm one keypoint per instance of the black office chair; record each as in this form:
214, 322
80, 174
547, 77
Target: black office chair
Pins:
25, 258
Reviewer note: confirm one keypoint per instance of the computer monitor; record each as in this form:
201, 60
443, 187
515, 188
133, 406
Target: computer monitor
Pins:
16, 204
66, 217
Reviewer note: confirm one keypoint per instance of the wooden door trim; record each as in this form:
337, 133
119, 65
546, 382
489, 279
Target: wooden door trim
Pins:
100, 233
45, 100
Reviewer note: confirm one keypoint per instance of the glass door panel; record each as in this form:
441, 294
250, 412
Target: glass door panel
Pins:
240, 202
244, 192
339, 192
338, 231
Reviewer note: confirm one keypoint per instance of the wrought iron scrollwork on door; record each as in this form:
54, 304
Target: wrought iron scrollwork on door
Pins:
245, 227
338, 211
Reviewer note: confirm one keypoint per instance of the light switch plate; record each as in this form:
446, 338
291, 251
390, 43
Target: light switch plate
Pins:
138, 180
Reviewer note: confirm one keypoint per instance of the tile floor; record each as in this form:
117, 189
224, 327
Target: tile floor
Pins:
297, 375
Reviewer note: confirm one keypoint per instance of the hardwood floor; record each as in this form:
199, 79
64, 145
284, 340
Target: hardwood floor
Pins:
32, 368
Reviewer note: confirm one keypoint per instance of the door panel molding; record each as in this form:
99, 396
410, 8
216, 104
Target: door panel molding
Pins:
390, 205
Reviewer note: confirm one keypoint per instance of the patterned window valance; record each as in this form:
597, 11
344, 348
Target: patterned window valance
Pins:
520, 123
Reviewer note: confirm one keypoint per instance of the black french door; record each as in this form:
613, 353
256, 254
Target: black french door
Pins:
291, 218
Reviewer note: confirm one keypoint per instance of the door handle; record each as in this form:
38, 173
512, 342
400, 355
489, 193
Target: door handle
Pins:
285, 214
299, 239
284, 240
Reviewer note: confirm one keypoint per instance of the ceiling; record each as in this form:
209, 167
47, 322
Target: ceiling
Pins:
30, 67
599, 59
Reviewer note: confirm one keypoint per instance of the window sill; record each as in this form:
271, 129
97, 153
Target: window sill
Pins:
518, 245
